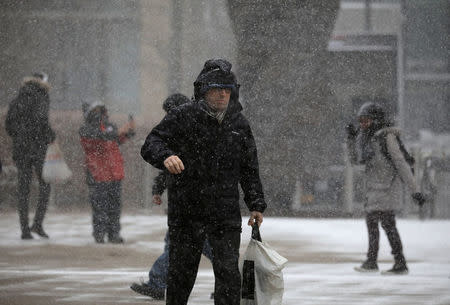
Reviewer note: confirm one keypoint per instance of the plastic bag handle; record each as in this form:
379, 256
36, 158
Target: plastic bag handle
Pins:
255, 232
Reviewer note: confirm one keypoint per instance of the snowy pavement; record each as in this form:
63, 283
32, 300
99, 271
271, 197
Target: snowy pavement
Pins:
70, 268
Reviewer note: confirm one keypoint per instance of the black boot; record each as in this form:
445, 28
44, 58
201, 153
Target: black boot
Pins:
399, 268
26, 234
367, 266
99, 238
23, 217
39, 231
144, 289
116, 239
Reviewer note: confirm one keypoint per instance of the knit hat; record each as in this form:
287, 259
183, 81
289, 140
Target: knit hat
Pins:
216, 73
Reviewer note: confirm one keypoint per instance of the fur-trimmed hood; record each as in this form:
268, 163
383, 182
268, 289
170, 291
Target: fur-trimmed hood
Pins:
31, 80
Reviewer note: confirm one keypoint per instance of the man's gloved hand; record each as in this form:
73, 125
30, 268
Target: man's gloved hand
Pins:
351, 131
419, 198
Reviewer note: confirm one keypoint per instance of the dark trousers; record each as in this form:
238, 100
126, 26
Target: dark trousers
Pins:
186, 244
158, 273
105, 199
25, 165
387, 219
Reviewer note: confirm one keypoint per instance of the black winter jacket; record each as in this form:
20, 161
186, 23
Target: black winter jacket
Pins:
216, 158
27, 119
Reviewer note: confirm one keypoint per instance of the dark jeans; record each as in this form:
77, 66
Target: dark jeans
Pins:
157, 276
105, 198
25, 165
185, 249
387, 219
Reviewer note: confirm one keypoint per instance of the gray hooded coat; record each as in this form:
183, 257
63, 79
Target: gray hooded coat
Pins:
384, 178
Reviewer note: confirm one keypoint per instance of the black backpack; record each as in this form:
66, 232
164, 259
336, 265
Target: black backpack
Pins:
408, 157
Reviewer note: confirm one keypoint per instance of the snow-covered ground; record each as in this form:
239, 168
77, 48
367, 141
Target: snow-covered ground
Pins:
70, 268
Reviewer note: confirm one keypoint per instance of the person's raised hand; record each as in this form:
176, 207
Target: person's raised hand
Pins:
351, 131
174, 164
419, 198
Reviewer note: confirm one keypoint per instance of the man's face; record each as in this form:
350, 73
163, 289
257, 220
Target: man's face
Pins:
218, 98
365, 122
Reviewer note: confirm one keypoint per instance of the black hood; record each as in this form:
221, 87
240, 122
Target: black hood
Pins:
216, 73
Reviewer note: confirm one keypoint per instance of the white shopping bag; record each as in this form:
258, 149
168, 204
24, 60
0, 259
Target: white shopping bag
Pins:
261, 270
55, 169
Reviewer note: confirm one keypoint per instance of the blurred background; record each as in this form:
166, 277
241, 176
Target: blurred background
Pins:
305, 67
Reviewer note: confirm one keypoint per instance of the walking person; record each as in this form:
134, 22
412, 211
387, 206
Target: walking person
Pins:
156, 285
208, 148
377, 146
28, 126
100, 140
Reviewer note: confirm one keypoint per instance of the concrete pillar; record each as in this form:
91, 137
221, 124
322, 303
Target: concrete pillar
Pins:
154, 65
286, 92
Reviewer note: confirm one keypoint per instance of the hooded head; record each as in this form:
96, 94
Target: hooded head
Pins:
375, 113
216, 73
95, 112
174, 101
36, 82
41, 75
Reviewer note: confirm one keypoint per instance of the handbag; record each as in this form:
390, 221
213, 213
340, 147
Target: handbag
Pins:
261, 270
55, 169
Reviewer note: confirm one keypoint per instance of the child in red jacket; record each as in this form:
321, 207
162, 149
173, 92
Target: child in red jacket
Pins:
100, 140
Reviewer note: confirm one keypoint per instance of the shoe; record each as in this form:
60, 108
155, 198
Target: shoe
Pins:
397, 269
99, 240
144, 289
26, 235
368, 267
39, 231
116, 240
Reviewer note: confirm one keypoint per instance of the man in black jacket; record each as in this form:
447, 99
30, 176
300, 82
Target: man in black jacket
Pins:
27, 124
208, 147
156, 285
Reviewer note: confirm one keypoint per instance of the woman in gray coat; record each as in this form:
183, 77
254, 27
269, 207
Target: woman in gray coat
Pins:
376, 145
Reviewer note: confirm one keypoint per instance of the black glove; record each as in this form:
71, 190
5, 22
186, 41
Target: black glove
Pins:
351, 131
419, 198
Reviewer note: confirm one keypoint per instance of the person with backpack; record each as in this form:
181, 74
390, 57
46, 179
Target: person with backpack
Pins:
377, 145
156, 285
28, 125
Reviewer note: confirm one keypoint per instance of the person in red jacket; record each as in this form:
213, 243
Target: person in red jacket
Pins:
100, 140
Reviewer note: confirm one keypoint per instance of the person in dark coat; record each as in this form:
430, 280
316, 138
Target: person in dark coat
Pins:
376, 145
156, 285
100, 140
208, 148
28, 126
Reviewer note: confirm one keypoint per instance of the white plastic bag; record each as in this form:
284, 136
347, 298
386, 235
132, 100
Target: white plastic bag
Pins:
55, 169
265, 265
